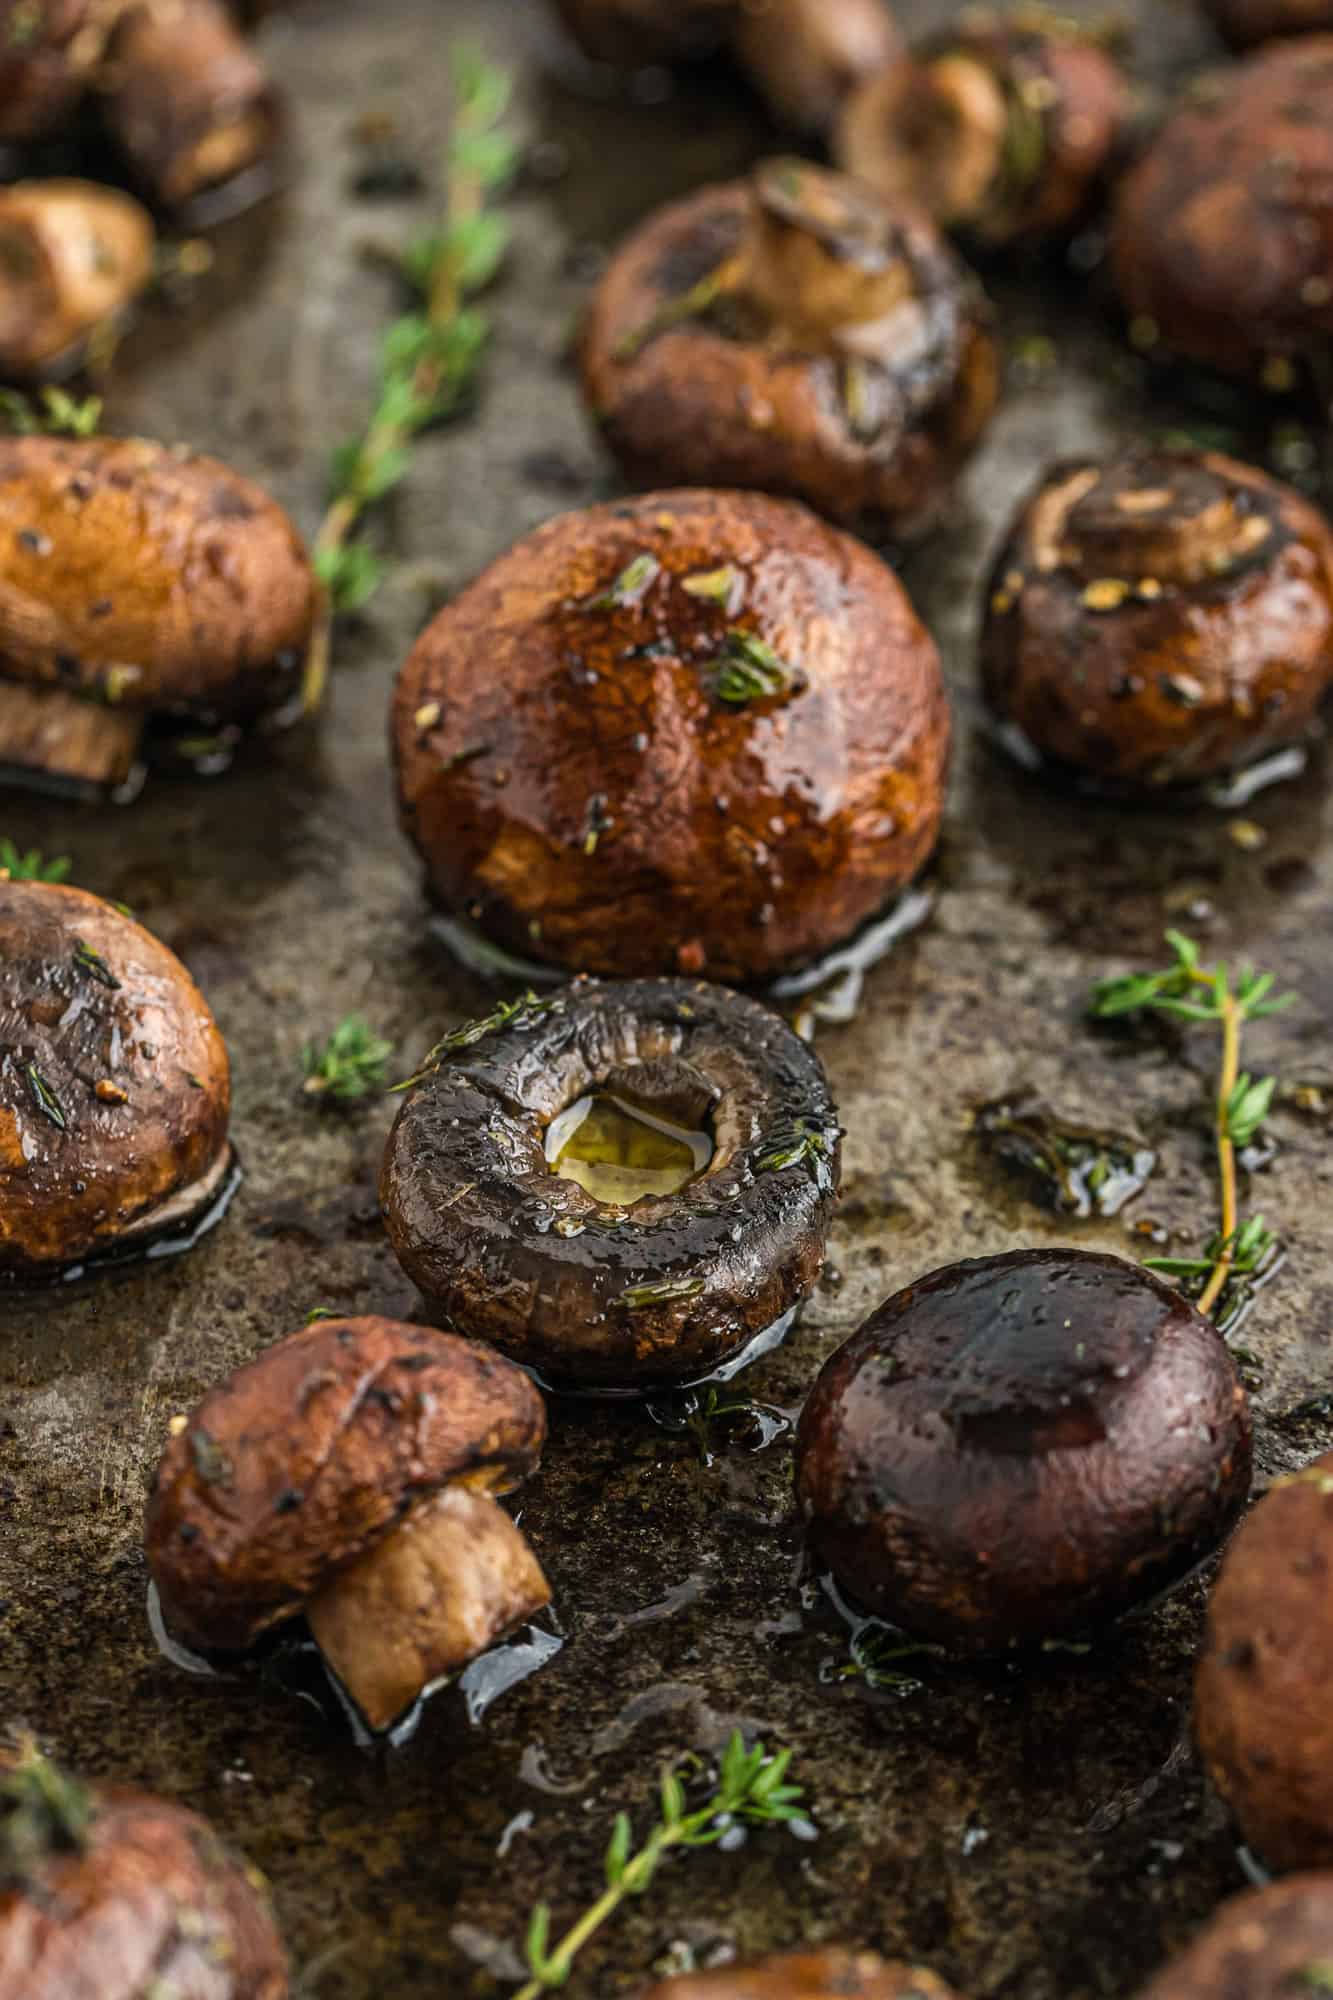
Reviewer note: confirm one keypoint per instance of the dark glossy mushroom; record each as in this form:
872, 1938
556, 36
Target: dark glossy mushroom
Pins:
1159, 619
1222, 245
793, 332
695, 732
352, 1472
622, 1186
1245, 22
832, 1974
1021, 1448
49, 50
73, 258
1005, 127
115, 1894
806, 56
1272, 1944
114, 1087
1262, 1714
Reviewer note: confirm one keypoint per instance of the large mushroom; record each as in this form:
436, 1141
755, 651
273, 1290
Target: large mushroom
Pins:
1270, 1944
353, 1473
114, 1089
832, 1974
623, 1186
796, 333
1021, 1448
693, 732
1245, 22
73, 257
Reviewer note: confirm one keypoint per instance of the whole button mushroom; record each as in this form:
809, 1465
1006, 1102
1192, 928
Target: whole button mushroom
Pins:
1245, 22
1159, 619
623, 1186
112, 1895
73, 257
684, 733
1262, 1713
1020, 1448
1222, 244
833, 1974
352, 1473
114, 1089
1271, 1944
795, 333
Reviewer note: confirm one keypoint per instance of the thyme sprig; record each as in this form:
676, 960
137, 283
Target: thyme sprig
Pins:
752, 1789
16, 866
748, 669
518, 1013
45, 1098
1188, 991
52, 413
92, 962
349, 1065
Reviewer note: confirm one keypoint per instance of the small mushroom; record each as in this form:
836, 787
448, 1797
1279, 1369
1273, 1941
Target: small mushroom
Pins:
832, 1974
1222, 241
1159, 619
1270, 1944
137, 580
1262, 1714
623, 1186
115, 1894
796, 333
114, 1088
806, 56
1245, 22
1006, 127
73, 258
1021, 1448
48, 52
693, 732
352, 1472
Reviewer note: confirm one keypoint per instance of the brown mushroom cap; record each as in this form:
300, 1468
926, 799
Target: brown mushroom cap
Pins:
1160, 617
575, 781
44, 68
73, 255
832, 1974
835, 349
1017, 1448
114, 1083
1262, 1713
311, 1455
806, 55
1271, 1944
1222, 245
1245, 22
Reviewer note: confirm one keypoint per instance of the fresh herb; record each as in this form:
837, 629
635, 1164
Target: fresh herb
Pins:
45, 1098
42, 1812
32, 866
875, 1656
92, 962
349, 1065
703, 1412
677, 311
725, 586
1316, 1977
750, 670
53, 413
752, 1789
630, 587
639, 1297
1187, 991
796, 1144
520, 1013
1075, 1169
317, 1313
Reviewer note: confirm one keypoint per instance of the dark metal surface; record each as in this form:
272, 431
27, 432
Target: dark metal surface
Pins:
1040, 1832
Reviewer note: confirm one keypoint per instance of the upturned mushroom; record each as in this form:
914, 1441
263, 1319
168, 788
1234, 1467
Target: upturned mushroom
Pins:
352, 1474
114, 1090
1021, 1448
1245, 22
622, 1186
73, 258
832, 1974
138, 581
1271, 1944
116, 1894
796, 333
1158, 619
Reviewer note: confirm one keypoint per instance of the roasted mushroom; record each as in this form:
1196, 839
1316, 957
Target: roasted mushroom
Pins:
1271, 1944
73, 257
1159, 619
805, 56
1262, 1713
1006, 127
49, 50
1020, 1448
793, 332
117, 1895
622, 1186
352, 1472
114, 1089
695, 732
1245, 22
1222, 245
809, 1975
137, 580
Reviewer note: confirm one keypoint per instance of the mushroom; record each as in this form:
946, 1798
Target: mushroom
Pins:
1019, 1448
115, 1894
622, 1186
48, 52
114, 1089
1222, 243
73, 257
1245, 22
1261, 1708
806, 56
684, 733
1270, 1944
832, 1974
1005, 127
634, 34
796, 333
352, 1472
137, 580
1159, 618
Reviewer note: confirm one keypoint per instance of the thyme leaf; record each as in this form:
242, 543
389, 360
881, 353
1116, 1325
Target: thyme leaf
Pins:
748, 669
15, 866
799, 1143
349, 1065
92, 962
45, 1098
520, 1013
53, 413
42, 1812
630, 587
638, 1297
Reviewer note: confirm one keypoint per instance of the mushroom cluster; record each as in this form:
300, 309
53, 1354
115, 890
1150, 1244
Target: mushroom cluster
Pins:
833, 1974
74, 256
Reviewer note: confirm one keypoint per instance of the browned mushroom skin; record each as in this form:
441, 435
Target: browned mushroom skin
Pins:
1021, 1448
634, 33
809, 1975
1245, 22
1222, 241
73, 256
577, 785
1270, 1944
48, 50
610, 1297
805, 56
1159, 619
1261, 1711
114, 1084
795, 334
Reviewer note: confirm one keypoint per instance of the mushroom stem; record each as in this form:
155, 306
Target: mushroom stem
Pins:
820, 255
63, 742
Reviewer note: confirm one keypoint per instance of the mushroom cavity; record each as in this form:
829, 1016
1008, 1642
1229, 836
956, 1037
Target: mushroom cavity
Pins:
832, 1974
680, 1231
352, 1472
73, 257
1245, 22
796, 333
1021, 1448
1159, 619
684, 733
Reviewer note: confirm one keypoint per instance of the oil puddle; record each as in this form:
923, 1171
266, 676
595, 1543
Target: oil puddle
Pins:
1074, 1169
764, 1342
830, 991
711, 1419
